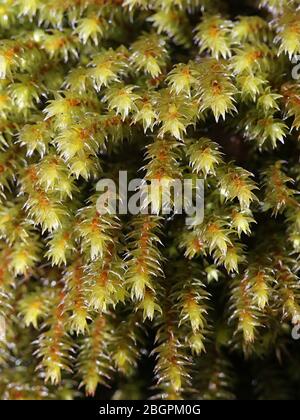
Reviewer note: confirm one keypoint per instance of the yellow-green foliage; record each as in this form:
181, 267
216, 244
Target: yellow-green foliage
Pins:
164, 89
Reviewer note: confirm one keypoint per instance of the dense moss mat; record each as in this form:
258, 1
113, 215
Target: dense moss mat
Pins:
130, 306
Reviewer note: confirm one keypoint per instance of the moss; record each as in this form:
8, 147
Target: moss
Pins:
146, 304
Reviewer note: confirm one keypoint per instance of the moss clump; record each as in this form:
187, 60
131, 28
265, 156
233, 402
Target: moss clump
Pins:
165, 90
